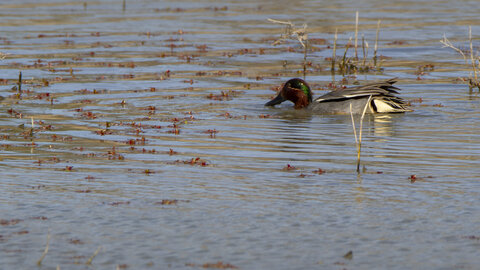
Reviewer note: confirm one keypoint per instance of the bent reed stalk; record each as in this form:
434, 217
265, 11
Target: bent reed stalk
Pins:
39, 262
299, 34
473, 79
358, 140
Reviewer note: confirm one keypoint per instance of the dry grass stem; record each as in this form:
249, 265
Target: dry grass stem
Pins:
89, 262
32, 128
291, 32
365, 51
376, 45
356, 34
447, 44
343, 65
39, 262
472, 60
300, 34
20, 82
334, 55
353, 124
473, 80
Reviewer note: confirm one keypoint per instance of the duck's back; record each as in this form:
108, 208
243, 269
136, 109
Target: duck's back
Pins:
382, 97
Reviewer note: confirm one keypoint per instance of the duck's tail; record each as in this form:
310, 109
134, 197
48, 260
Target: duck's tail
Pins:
386, 104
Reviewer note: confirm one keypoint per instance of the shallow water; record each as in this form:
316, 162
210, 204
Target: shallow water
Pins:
136, 151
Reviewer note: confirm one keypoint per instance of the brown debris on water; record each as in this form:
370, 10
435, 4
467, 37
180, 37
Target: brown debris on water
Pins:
217, 265
168, 202
212, 132
193, 162
74, 241
119, 203
472, 237
224, 95
398, 42
348, 255
88, 115
6, 222
148, 171
289, 167
84, 191
413, 178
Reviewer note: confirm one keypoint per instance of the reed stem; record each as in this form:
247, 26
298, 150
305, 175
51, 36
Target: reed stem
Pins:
89, 262
364, 46
39, 262
472, 60
334, 56
20, 82
305, 49
356, 35
343, 64
376, 45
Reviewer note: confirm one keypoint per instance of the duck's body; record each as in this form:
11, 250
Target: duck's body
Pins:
379, 96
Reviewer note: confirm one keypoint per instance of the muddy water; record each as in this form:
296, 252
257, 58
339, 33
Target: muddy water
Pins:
150, 142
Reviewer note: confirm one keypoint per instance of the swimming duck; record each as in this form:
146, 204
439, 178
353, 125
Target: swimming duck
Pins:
380, 95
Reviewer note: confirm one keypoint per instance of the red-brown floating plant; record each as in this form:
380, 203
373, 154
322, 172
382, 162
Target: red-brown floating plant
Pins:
88, 115
194, 161
319, 171
212, 132
289, 168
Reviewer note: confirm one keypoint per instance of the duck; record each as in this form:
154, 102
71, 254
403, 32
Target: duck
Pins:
381, 97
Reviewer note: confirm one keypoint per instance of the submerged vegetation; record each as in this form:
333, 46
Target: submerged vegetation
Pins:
354, 64
346, 64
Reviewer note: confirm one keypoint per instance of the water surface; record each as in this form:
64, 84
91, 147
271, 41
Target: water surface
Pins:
150, 140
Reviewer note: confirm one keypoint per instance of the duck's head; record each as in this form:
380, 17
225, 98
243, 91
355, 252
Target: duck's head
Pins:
297, 91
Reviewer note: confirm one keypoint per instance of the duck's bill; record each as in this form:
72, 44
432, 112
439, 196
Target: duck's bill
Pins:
277, 100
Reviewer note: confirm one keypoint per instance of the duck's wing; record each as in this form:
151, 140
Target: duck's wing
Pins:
383, 95
384, 88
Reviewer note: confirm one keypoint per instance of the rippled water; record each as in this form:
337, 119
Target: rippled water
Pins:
150, 141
